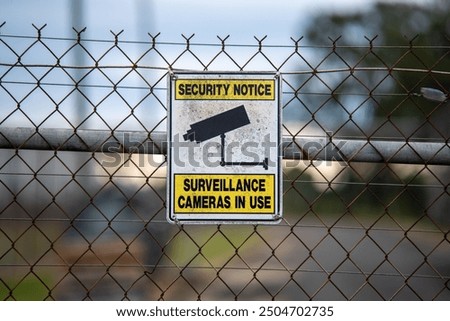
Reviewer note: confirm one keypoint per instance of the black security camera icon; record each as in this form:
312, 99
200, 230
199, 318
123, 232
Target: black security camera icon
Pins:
218, 125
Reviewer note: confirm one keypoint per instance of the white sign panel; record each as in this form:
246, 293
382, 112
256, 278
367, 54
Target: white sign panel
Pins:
224, 148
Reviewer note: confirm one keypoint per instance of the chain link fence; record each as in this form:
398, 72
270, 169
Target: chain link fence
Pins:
82, 174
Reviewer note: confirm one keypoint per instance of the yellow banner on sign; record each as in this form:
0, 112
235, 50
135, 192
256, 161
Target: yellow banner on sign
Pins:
224, 193
225, 89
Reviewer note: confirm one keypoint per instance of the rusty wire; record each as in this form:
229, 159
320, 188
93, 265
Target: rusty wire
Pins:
91, 225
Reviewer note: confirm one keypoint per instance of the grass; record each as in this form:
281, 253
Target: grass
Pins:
30, 288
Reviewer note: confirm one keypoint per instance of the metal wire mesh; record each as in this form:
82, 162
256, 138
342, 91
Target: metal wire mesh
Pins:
91, 225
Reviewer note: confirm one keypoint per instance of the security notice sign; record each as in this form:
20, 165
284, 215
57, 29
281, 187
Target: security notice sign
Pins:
224, 148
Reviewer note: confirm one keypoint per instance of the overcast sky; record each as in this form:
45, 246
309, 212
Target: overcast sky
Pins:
241, 19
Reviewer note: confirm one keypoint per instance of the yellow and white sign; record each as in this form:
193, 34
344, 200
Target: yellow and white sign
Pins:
251, 193
224, 148
225, 89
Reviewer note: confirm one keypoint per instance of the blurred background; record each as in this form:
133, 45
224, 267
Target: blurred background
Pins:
88, 225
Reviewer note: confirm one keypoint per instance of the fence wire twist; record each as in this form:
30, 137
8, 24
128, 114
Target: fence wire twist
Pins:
79, 223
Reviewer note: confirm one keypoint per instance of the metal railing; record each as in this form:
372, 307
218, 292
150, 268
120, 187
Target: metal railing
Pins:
82, 174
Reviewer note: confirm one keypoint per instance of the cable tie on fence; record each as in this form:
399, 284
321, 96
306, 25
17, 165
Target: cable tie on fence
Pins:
433, 94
